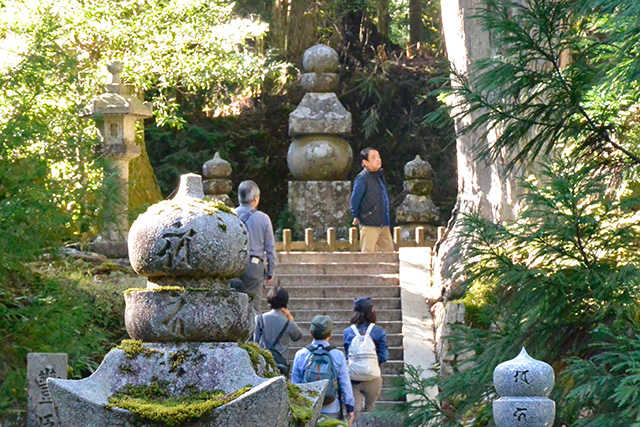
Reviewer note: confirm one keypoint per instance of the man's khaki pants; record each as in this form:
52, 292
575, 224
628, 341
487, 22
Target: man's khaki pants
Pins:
375, 239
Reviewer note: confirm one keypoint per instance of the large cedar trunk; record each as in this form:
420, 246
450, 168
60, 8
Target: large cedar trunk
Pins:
294, 28
415, 22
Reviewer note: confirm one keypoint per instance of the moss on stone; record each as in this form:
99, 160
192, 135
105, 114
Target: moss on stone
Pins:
254, 351
134, 348
178, 358
157, 289
126, 369
152, 402
330, 422
301, 407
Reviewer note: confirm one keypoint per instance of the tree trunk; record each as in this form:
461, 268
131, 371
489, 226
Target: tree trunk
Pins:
383, 18
294, 27
415, 22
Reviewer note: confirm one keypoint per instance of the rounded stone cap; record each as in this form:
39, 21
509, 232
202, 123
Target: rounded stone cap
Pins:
216, 167
189, 237
320, 82
418, 169
523, 376
320, 59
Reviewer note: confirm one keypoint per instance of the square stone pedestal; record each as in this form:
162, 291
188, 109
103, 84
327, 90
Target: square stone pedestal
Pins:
320, 205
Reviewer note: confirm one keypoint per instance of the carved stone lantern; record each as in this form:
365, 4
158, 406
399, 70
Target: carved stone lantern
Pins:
115, 113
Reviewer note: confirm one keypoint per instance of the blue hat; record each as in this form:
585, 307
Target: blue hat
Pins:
362, 304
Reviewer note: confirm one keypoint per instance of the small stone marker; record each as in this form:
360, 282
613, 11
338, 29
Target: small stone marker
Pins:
524, 385
41, 366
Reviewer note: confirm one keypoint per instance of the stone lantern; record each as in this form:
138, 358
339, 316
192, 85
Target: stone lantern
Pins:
524, 385
319, 158
115, 113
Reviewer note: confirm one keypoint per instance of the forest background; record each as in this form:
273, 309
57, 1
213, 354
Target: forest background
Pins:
221, 76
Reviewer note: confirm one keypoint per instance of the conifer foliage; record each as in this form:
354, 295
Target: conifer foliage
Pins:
564, 74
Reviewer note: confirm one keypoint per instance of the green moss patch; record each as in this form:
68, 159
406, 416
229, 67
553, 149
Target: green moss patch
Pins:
301, 407
134, 348
157, 289
330, 422
255, 352
153, 403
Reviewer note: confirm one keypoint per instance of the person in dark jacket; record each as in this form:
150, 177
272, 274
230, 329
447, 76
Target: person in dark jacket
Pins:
366, 392
370, 204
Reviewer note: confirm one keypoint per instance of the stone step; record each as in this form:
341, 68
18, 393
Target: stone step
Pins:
306, 315
389, 326
338, 268
395, 353
322, 280
343, 291
324, 257
393, 340
338, 303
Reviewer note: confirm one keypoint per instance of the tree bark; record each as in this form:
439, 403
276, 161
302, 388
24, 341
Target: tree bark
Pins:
384, 19
415, 22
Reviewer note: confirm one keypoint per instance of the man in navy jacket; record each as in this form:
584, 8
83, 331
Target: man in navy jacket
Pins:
370, 204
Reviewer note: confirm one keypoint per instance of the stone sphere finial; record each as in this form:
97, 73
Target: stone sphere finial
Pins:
418, 169
320, 59
216, 168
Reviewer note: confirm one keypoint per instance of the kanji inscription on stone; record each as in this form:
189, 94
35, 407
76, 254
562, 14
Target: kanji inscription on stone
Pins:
40, 366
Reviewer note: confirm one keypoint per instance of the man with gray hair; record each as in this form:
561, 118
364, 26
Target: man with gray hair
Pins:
262, 246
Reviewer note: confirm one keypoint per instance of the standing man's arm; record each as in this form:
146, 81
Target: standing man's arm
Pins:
356, 199
270, 249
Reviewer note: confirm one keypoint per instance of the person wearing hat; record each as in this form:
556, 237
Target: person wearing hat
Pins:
366, 392
321, 331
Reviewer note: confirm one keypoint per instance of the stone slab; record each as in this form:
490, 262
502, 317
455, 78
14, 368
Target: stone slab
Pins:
417, 321
320, 204
40, 366
320, 113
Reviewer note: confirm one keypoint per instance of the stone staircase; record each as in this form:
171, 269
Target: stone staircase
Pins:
327, 283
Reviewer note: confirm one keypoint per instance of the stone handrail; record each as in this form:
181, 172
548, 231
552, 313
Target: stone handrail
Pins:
352, 244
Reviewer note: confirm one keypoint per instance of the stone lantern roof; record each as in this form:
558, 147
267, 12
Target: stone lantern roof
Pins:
117, 99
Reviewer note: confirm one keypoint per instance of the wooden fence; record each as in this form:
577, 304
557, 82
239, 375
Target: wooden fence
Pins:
351, 245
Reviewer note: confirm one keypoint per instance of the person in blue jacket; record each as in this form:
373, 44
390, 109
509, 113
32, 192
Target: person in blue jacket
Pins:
364, 314
370, 204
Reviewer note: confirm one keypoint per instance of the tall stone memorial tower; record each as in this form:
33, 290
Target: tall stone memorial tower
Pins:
319, 158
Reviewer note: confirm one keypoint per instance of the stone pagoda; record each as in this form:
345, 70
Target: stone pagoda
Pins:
115, 113
417, 209
186, 360
216, 183
319, 158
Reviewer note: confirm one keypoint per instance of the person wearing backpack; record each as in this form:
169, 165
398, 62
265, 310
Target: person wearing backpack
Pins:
320, 361
366, 346
275, 329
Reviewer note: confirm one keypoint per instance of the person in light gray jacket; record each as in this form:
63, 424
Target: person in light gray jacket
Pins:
275, 329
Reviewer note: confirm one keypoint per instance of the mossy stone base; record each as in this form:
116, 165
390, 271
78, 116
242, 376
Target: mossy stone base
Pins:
182, 369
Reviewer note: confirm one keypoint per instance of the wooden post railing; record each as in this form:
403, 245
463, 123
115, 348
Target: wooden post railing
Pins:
332, 244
